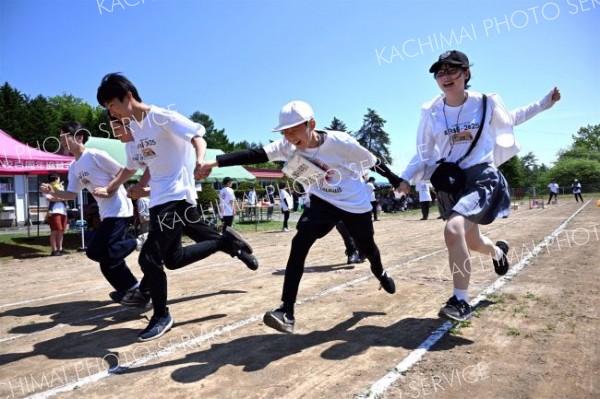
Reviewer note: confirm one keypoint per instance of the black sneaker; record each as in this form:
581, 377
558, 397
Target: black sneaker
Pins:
235, 242
56, 253
156, 328
387, 283
249, 260
280, 321
355, 258
135, 298
456, 310
117, 296
501, 266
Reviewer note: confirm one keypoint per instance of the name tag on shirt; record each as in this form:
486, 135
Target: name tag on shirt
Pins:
461, 137
301, 169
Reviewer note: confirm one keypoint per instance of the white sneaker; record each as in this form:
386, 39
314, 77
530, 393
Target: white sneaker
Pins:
141, 239
285, 229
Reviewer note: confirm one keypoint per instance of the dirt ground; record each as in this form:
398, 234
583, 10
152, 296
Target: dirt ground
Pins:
537, 336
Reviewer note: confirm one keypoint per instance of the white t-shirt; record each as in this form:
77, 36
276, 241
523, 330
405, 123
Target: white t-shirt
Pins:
423, 189
553, 187
343, 159
164, 139
227, 199
95, 168
371, 191
285, 200
252, 197
135, 159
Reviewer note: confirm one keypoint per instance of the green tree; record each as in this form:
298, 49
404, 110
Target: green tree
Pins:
372, 136
13, 110
588, 137
513, 172
338, 125
587, 171
215, 138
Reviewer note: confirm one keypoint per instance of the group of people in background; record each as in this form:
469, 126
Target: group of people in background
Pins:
554, 190
460, 126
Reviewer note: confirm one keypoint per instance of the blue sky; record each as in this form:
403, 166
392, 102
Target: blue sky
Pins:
240, 61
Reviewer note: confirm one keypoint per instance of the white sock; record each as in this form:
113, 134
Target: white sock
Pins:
499, 253
461, 294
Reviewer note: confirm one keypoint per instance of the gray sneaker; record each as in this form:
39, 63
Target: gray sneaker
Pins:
280, 321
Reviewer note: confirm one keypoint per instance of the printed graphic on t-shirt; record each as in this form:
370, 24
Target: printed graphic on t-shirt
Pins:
139, 158
83, 177
145, 147
332, 178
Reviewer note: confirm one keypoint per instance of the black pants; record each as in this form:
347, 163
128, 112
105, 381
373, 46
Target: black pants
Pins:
552, 195
578, 195
286, 217
348, 240
227, 221
109, 247
167, 223
425, 209
315, 222
374, 210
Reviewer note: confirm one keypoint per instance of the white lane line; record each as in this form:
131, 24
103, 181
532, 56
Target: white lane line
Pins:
379, 387
206, 337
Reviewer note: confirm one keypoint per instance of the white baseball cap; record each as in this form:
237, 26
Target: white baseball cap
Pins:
294, 113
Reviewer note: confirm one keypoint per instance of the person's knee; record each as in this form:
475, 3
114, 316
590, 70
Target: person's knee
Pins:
94, 253
452, 232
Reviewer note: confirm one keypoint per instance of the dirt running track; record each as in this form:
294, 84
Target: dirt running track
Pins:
537, 336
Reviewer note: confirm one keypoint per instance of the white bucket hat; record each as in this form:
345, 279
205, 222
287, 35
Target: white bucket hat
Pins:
294, 113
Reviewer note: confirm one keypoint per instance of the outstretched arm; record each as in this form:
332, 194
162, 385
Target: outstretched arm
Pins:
527, 112
244, 157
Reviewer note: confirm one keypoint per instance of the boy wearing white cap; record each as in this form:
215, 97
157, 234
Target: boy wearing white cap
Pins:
330, 166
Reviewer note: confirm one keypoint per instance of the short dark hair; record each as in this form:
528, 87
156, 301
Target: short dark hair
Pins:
53, 177
227, 180
75, 129
115, 85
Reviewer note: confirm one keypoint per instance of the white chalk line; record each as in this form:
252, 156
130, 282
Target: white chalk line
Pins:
231, 327
380, 386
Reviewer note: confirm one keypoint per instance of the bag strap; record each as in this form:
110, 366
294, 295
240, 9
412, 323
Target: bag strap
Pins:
478, 131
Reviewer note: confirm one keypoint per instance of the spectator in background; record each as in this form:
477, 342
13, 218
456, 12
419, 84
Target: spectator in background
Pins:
270, 195
553, 189
57, 217
576, 188
285, 202
252, 196
227, 202
371, 191
143, 207
424, 198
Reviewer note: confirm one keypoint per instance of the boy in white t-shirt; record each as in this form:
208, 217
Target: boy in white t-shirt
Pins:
94, 168
173, 150
285, 203
337, 193
227, 202
553, 190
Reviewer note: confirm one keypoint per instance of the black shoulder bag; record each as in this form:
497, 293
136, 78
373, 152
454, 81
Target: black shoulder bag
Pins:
448, 176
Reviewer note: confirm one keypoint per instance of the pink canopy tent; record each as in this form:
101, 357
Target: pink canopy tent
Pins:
17, 158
